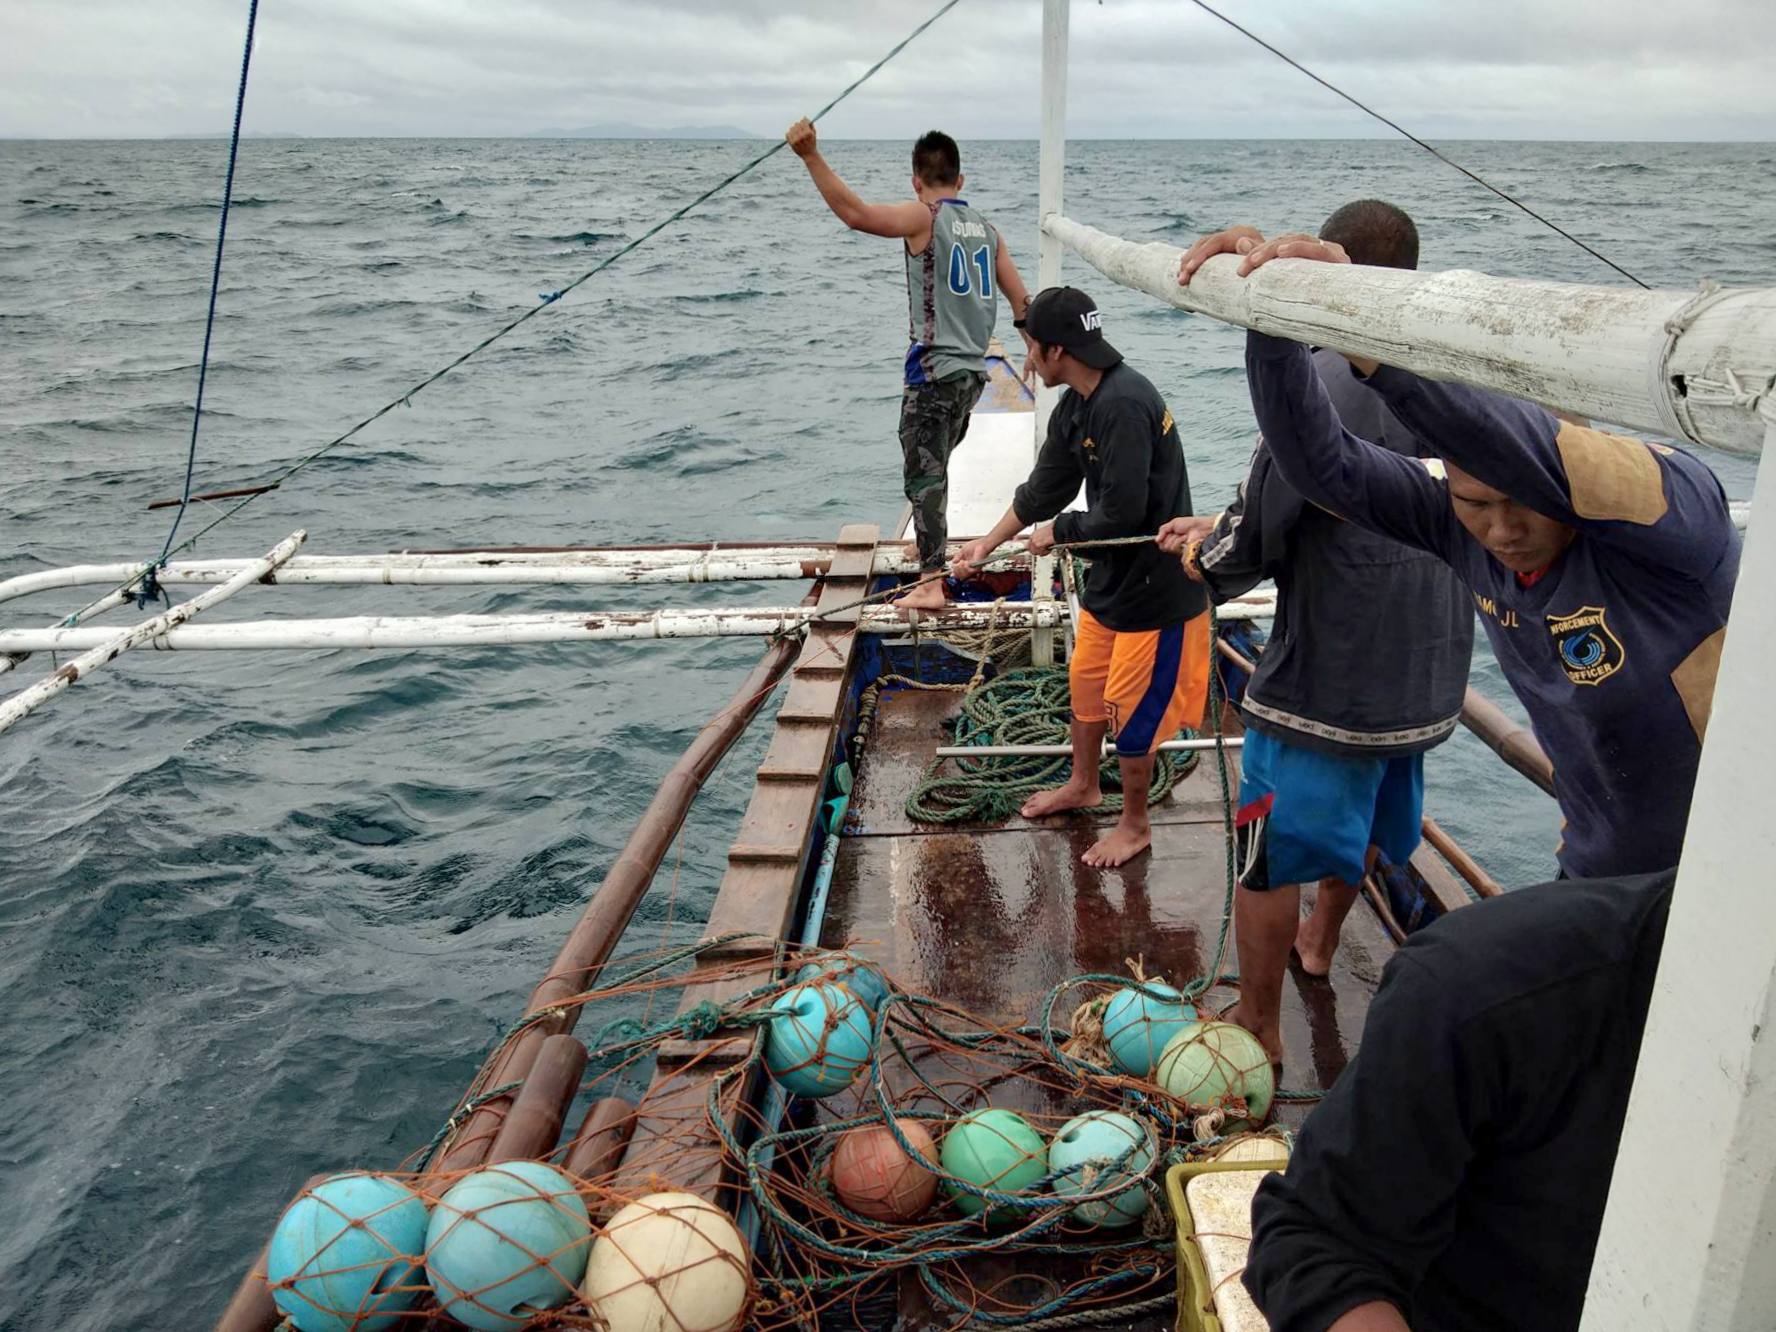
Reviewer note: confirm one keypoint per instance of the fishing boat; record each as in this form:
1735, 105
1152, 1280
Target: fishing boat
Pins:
872, 848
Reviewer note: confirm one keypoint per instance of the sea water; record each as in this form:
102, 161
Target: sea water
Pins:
263, 915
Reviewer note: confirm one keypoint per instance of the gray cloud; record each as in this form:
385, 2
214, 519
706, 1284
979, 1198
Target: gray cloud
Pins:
1615, 69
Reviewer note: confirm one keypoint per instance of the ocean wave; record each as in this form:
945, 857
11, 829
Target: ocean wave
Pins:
248, 201
1632, 167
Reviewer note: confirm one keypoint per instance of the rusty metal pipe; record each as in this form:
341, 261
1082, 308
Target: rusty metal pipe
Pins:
604, 1133
1463, 864
533, 1124
590, 944
1511, 742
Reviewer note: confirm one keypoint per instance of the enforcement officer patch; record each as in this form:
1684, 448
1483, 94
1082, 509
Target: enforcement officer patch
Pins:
1589, 652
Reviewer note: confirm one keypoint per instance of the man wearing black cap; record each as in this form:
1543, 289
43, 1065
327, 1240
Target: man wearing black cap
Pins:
1139, 669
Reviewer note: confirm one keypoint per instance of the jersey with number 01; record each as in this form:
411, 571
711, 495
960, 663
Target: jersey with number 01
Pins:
951, 300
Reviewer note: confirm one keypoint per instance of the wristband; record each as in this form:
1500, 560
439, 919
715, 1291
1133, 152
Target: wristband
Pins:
1017, 323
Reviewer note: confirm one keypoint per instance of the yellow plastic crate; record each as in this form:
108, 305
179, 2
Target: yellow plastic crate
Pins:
1196, 1291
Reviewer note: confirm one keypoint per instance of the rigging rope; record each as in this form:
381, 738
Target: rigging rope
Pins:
203, 364
549, 299
1408, 134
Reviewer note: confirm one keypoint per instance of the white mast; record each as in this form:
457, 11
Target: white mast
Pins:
1050, 172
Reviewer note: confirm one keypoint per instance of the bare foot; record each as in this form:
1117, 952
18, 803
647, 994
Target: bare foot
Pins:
1074, 795
1314, 952
1270, 1036
910, 552
923, 596
1118, 846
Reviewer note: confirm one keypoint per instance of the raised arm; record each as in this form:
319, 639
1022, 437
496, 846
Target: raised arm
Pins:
1370, 486
1657, 504
910, 221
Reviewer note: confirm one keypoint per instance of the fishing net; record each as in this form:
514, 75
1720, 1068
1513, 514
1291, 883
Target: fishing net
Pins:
982, 1174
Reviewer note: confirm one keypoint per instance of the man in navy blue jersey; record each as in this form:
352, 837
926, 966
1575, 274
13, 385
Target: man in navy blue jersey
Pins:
1602, 566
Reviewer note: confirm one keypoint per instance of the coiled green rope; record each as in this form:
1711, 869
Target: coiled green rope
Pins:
1024, 707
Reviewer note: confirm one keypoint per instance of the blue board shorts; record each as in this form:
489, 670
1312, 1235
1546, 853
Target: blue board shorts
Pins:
1305, 815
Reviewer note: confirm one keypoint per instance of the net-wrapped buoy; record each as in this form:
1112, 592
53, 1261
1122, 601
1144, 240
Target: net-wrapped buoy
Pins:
863, 979
1138, 1026
669, 1262
1096, 1151
507, 1242
347, 1254
873, 1175
820, 1037
992, 1149
1213, 1065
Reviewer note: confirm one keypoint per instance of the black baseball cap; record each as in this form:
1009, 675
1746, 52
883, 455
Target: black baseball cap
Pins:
1066, 317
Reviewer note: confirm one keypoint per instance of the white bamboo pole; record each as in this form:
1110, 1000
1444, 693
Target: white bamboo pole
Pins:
422, 631
575, 569
1691, 366
110, 601
112, 644
1691, 1220
1061, 751
388, 631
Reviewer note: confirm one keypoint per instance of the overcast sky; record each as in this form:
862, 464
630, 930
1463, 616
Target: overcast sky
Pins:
1585, 69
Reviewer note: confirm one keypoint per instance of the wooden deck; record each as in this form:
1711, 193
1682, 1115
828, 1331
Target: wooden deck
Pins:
990, 917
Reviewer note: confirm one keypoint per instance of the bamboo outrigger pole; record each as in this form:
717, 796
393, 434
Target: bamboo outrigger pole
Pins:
1689, 365
112, 644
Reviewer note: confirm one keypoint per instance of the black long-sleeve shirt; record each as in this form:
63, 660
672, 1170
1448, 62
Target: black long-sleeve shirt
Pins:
1458, 1168
1122, 443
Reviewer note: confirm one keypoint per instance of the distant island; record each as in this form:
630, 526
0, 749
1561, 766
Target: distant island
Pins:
619, 131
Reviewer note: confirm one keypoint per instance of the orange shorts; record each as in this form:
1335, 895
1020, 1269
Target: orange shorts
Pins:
1146, 685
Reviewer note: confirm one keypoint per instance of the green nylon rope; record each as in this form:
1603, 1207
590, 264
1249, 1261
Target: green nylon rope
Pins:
1024, 707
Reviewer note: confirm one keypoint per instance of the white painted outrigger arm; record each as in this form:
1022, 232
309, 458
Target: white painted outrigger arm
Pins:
109, 644
426, 631
1689, 365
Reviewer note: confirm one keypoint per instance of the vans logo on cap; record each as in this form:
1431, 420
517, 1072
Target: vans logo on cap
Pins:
1092, 320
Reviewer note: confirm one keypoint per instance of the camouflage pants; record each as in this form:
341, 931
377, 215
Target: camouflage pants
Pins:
933, 420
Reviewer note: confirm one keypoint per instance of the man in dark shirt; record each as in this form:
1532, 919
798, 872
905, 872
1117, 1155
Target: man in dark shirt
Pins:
1365, 671
1454, 1178
1139, 668
1603, 567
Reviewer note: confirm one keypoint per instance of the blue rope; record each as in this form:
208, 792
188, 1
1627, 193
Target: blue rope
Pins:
545, 300
150, 585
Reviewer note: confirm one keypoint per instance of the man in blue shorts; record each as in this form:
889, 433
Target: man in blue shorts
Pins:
1367, 665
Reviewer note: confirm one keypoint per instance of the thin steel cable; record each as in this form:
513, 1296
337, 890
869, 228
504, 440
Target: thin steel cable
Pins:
1408, 134
550, 299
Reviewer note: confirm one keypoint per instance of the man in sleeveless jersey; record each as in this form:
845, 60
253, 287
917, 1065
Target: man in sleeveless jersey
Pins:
956, 266
1366, 670
1602, 566
1139, 669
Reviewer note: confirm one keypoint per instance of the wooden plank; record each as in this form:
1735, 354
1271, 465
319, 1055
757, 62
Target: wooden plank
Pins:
674, 1145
